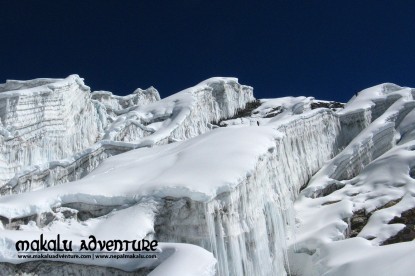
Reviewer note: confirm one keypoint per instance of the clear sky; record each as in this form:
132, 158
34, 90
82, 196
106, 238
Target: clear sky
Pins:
327, 49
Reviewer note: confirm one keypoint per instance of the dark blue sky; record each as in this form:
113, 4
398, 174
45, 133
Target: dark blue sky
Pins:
326, 49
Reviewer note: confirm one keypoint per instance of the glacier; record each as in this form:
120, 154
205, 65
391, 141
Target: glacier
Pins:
286, 186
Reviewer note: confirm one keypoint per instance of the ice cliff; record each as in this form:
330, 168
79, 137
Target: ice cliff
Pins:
143, 120
228, 184
44, 120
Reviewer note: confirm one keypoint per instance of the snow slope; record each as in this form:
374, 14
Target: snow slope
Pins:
346, 214
228, 184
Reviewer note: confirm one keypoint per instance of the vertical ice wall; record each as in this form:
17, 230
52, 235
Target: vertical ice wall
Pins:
183, 115
140, 116
216, 99
113, 105
246, 229
376, 138
43, 120
139, 97
358, 204
366, 107
57, 172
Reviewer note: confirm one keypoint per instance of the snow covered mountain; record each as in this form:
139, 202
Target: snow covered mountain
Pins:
227, 184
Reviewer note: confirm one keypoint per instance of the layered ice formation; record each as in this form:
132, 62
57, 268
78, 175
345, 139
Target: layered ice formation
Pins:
44, 120
149, 122
355, 217
228, 185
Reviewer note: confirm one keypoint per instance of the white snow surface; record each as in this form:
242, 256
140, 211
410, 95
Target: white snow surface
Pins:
214, 171
44, 120
183, 115
162, 168
131, 118
122, 123
372, 175
125, 177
